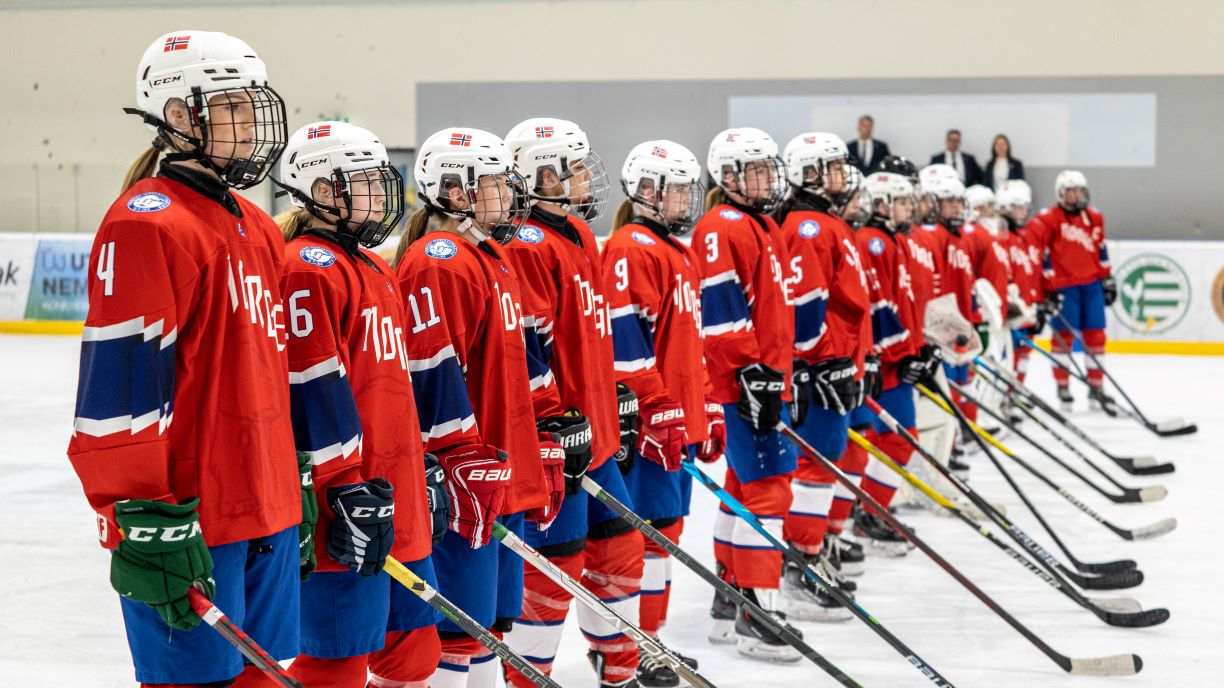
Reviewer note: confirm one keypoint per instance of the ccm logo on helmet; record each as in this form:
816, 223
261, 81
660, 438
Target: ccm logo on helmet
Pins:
489, 474
313, 163
168, 80
167, 534
669, 414
368, 511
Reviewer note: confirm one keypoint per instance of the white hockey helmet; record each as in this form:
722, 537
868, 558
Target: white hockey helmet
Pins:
813, 151
977, 197
941, 183
1071, 179
933, 177
733, 151
559, 145
459, 158
671, 169
882, 190
195, 67
365, 194
1014, 192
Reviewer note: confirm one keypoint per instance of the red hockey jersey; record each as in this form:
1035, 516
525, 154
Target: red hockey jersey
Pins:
926, 256
565, 320
183, 388
1024, 273
468, 358
747, 312
1071, 245
351, 394
893, 324
989, 260
832, 305
956, 275
652, 281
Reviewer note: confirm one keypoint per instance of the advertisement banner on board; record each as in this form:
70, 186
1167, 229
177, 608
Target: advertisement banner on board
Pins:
58, 288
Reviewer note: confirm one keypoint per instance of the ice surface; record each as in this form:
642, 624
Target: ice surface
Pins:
60, 624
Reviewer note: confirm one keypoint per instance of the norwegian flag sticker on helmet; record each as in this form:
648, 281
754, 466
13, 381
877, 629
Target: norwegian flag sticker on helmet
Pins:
176, 43
809, 139
659, 152
319, 131
544, 132
460, 139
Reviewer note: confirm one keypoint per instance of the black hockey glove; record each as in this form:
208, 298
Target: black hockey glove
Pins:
627, 409
801, 390
834, 387
363, 532
760, 400
1109, 286
310, 517
573, 432
921, 368
873, 379
1053, 303
983, 331
435, 494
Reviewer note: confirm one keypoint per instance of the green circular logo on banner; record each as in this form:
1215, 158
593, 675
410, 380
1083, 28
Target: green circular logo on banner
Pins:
1153, 293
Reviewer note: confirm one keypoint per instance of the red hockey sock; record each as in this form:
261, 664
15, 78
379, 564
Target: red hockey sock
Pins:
537, 632
754, 561
852, 463
329, 672
407, 660
1060, 346
252, 677
1095, 340
656, 580
614, 574
880, 481
808, 519
1022, 362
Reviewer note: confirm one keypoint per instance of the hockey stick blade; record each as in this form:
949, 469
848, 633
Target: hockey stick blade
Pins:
1116, 605
1107, 566
1174, 427
1145, 619
1117, 665
1110, 581
1148, 532
1150, 469
1153, 493
1145, 461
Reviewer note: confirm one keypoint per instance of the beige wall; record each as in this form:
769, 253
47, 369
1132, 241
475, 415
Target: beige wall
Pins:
67, 73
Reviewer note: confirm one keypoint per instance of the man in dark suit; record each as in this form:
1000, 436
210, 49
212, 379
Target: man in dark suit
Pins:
965, 164
865, 152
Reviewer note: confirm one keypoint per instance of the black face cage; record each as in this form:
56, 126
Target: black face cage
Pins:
242, 152
362, 190
1084, 201
773, 195
509, 215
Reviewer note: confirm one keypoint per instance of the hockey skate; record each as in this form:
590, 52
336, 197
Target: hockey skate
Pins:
653, 673
1066, 402
846, 555
1098, 400
879, 537
806, 600
722, 610
598, 661
754, 639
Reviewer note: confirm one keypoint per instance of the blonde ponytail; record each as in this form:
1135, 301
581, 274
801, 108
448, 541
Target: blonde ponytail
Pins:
422, 221
715, 196
624, 213
144, 167
292, 222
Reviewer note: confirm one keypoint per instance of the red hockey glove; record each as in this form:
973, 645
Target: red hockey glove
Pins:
712, 449
552, 457
662, 434
477, 477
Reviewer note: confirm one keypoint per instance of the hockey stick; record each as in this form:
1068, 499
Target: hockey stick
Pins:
1152, 493
1123, 611
1118, 574
782, 630
816, 575
1166, 428
1135, 465
1027, 410
982, 437
1116, 665
647, 644
460, 618
256, 655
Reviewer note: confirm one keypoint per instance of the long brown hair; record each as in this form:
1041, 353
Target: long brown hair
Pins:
292, 222
624, 213
715, 196
143, 167
421, 222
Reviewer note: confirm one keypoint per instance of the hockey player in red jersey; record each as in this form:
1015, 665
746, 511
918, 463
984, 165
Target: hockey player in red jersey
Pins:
652, 282
747, 315
1015, 202
567, 327
468, 360
904, 359
1070, 238
182, 437
832, 314
354, 416
987, 255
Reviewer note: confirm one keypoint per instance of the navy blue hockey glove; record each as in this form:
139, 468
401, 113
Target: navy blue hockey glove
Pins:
760, 402
1109, 287
627, 410
573, 433
435, 494
363, 532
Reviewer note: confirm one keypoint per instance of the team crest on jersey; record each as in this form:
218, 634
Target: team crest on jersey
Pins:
317, 255
643, 238
442, 249
531, 235
729, 214
809, 229
150, 202
876, 246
